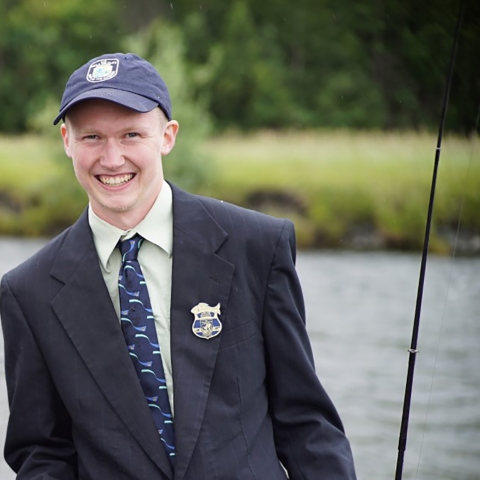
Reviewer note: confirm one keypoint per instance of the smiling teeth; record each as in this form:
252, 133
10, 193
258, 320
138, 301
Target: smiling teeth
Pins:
115, 181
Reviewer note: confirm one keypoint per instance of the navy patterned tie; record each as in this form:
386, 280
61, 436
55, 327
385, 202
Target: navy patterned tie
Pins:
138, 326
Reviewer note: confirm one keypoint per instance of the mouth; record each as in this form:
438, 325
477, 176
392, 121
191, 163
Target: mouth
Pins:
115, 181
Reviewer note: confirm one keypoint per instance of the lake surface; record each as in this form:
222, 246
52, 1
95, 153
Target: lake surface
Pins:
360, 309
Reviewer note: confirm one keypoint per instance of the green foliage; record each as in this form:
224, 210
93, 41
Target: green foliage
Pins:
246, 80
355, 95
274, 63
243, 68
335, 64
41, 44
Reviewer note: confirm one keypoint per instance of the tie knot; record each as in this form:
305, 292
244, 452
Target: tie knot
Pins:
130, 247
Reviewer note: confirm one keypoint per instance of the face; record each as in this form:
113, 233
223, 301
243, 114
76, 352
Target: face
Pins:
117, 157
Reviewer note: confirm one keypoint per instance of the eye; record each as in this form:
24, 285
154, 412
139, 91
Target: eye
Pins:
131, 135
90, 137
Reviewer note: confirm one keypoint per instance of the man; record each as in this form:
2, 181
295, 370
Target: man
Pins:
223, 318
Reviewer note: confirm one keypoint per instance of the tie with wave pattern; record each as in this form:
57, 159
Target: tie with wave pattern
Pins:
138, 327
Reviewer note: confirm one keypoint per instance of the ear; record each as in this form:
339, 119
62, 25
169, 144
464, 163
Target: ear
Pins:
169, 136
66, 139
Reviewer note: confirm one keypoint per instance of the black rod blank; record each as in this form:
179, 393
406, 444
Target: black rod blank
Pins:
402, 442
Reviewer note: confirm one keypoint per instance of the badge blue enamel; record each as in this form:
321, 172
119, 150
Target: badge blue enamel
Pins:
102, 70
206, 324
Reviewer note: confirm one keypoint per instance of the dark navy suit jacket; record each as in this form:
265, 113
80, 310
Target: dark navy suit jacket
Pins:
245, 400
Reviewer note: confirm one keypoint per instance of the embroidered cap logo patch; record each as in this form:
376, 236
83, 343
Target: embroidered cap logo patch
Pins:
206, 324
103, 70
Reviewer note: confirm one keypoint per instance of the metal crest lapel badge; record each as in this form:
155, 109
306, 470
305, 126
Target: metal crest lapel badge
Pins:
206, 324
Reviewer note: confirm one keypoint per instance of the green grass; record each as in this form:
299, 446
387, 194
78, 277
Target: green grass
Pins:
342, 184
339, 187
24, 161
38, 193
336, 159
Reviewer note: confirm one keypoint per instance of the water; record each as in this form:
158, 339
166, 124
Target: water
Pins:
360, 310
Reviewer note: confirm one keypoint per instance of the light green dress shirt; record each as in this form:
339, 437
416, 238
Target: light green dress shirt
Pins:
155, 258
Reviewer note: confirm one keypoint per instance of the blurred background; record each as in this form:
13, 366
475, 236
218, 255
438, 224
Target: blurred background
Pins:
321, 111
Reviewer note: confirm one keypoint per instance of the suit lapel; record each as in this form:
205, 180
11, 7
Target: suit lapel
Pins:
199, 275
86, 312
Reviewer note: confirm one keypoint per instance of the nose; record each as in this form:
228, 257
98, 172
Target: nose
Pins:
112, 155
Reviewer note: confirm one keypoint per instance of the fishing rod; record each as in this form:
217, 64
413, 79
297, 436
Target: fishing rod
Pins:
402, 441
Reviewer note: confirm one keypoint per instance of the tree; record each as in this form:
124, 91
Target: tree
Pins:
41, 44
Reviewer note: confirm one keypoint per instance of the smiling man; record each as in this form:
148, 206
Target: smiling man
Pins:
162, 336
116, 154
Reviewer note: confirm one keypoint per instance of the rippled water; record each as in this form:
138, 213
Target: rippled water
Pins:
360, 310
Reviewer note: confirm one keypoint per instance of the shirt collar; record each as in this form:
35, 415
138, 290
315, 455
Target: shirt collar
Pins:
156, 227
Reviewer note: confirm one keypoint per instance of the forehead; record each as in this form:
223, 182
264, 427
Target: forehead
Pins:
95, 110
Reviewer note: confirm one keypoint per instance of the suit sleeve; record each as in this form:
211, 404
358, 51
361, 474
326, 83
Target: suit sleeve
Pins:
309, 435
38, 441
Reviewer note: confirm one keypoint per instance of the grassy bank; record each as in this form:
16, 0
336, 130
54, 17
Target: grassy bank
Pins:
38, 193
353, 190
342, 189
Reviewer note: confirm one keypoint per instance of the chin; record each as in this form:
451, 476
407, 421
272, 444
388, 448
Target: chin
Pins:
112, 208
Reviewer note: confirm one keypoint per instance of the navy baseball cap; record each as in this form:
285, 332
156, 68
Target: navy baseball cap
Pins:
122, 78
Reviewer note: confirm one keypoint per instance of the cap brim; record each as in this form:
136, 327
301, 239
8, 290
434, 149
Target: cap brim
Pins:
121, 97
